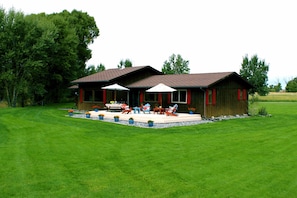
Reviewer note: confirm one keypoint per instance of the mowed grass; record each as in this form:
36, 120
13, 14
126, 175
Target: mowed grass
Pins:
44, 153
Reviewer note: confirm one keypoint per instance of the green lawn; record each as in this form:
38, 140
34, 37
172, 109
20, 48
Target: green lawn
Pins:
44, 153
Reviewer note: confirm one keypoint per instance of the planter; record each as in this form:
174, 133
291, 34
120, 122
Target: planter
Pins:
131, 121
116, 119
101, 117
96, 110
191, 112
150, 124
70, 113
88, 115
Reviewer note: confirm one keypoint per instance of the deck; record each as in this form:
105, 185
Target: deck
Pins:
144, 117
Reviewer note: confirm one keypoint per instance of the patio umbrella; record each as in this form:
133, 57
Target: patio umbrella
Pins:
161, 88
115, 87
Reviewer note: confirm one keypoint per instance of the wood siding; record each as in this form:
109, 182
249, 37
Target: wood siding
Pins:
227, 102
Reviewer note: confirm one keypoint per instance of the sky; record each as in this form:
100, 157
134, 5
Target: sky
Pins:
213, 35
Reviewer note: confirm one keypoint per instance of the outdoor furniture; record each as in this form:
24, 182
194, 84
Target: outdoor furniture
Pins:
146, 108
113, 107
136, 109
126, 109
159, 110
171, 111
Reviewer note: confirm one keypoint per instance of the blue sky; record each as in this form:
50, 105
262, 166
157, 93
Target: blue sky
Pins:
213, 35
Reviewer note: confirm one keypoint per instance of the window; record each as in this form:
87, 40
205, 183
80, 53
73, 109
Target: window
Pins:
93, 95
179, 96
241, 94
98, 95
88, 95
211, 96
151, 97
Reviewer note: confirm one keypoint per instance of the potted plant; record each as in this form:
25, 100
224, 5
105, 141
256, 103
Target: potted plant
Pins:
101, 116
70, 112
150, 123
131, 120
116, 118
88, 114
191, 110
96, 108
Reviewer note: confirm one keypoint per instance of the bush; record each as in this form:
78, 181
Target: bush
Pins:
262, 111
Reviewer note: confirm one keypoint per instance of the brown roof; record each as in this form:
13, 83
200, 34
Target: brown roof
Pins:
183, 80
111, 74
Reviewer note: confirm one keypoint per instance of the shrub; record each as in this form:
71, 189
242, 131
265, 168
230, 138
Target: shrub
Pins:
262, 111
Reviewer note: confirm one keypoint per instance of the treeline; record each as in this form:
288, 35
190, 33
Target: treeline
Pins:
40, 54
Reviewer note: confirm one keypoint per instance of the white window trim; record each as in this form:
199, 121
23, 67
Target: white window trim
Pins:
178, 90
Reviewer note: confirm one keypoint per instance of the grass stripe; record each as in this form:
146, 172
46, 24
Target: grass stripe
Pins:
47, 154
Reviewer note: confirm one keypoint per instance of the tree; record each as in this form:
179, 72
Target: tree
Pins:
92, 69
86, 31
126, 63
292, 85
75, 31
275, 88
100, 68
41, 54
176, 65
23, 44
255, 72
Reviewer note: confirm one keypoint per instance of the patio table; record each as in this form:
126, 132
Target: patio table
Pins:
159, 110
115, 107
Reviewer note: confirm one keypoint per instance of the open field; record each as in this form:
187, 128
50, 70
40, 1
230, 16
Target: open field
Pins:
279, 96
47, 154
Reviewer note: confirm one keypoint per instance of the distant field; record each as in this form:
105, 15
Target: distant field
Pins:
278, 96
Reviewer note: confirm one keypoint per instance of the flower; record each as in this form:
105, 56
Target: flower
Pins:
116, 116
150, 121
191, 108
131, 118
96, 107
101, 114
70, 111
88, 113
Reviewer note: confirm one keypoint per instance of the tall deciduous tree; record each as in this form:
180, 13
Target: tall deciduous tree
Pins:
255, 72
176, 65
41, 54
23, 44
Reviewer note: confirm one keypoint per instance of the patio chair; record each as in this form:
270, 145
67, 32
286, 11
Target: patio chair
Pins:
171, 111
126, 109
146, 108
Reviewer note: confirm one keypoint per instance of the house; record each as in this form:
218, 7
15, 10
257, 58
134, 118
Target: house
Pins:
211, 94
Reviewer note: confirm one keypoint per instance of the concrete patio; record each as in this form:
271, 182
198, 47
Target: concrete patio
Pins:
144, 117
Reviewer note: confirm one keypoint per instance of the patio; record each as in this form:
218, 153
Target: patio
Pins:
144, 117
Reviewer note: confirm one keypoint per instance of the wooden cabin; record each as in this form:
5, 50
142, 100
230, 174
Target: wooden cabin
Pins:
210, 94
